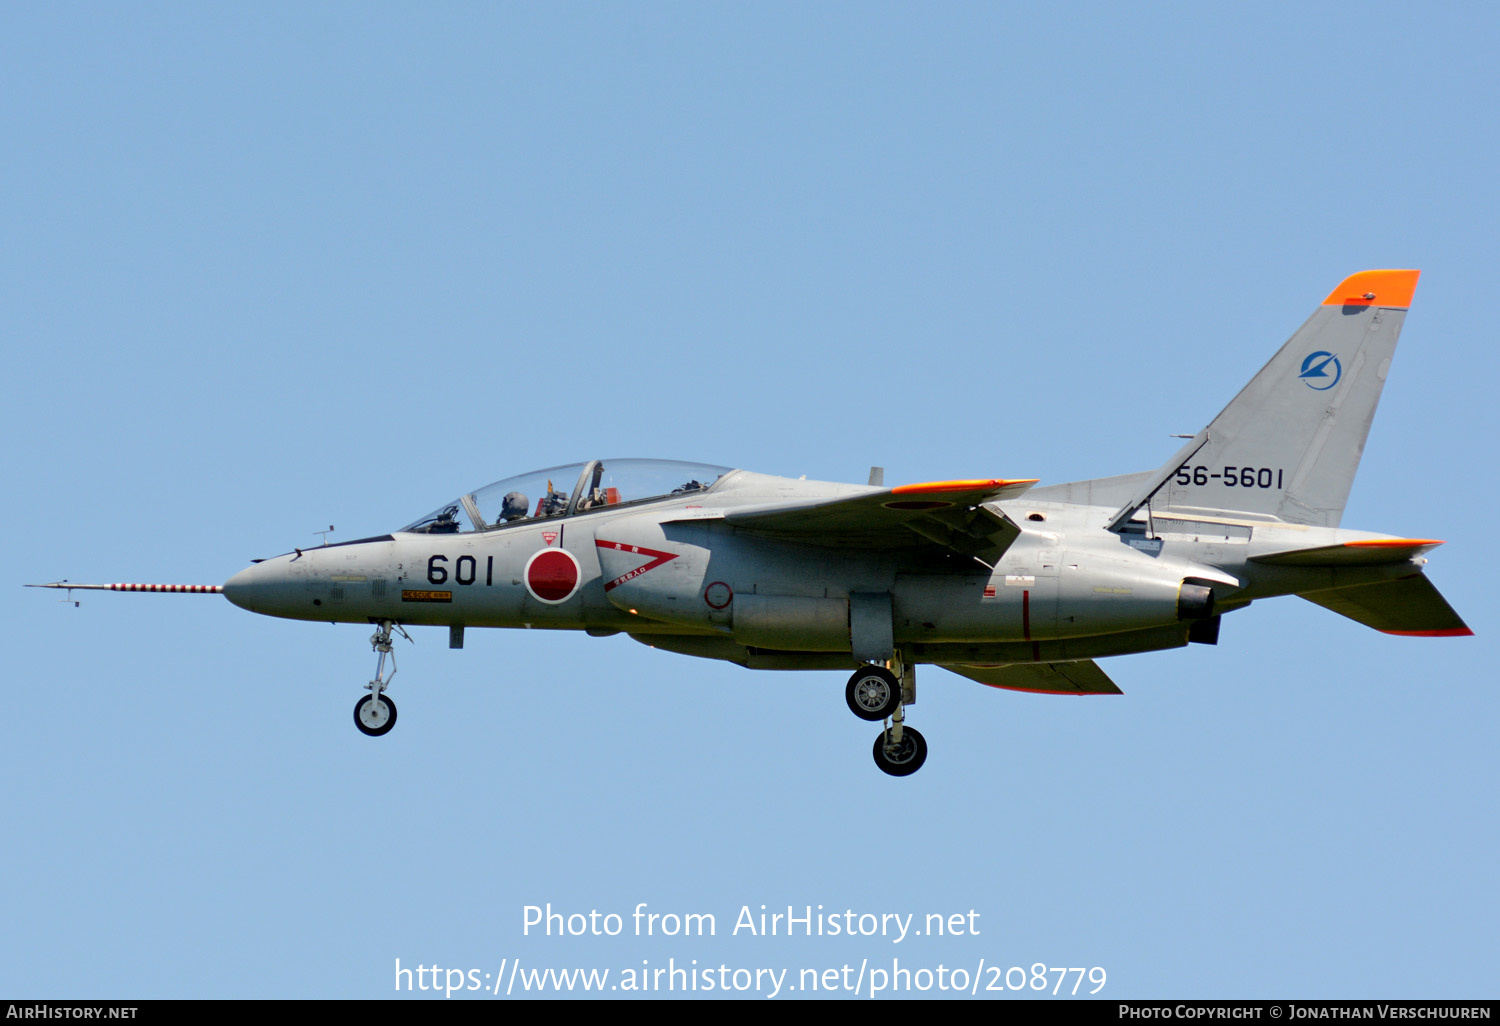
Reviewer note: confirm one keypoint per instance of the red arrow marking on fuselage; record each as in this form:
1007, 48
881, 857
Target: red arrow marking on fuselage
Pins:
657, 559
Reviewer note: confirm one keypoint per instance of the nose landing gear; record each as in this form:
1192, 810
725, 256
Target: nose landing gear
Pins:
375, 714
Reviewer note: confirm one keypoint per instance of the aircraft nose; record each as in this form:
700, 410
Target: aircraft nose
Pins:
260, 588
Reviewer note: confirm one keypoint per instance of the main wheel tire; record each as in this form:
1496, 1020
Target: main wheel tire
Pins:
905, 756
873, 693
372, 718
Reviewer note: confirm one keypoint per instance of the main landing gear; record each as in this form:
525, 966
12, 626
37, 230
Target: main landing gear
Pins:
873, 693
900, 751
375, 714
877, 693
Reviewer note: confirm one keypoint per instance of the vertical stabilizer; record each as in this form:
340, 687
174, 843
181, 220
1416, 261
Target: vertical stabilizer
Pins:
1290, 442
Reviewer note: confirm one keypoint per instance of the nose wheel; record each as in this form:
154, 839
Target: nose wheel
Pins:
375, 715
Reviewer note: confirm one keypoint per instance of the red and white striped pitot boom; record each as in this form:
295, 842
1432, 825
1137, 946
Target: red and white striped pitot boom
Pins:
171, 589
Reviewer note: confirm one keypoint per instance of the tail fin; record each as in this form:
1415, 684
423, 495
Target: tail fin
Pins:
1290, 442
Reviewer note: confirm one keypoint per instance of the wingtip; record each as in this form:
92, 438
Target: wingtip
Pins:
930, 487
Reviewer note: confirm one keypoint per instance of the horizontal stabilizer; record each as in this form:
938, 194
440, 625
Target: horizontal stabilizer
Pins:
1410, 606
1355, 553
1081, 678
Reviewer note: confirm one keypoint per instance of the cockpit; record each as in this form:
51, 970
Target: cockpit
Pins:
568, 491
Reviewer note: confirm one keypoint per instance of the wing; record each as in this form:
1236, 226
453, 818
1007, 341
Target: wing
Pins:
949, 513
1081, 678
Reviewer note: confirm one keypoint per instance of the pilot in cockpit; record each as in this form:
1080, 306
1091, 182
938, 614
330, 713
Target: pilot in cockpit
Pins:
513, 507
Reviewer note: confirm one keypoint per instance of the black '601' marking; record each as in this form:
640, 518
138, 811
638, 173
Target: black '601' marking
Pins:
465, 570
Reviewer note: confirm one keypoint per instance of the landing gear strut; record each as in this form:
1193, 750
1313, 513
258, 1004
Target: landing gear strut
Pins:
375, 714
878, 693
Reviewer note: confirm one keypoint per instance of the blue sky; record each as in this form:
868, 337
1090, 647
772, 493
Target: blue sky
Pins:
268, 268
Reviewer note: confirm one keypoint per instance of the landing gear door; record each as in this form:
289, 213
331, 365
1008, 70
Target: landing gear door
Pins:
870, 631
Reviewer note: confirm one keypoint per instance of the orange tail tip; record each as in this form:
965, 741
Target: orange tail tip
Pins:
1393, 543
1375, 288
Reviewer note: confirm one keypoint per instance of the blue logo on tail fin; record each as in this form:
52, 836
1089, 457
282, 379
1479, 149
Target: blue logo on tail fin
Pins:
1321, 370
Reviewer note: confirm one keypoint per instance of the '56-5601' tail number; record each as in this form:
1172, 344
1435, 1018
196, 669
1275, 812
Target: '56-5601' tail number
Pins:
1231, 477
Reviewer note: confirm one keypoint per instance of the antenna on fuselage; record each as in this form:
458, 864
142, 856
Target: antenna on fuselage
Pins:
325, 534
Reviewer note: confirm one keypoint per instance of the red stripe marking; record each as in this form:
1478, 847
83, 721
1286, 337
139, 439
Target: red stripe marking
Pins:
658, 559
1026, 614
1446, 632
1035, 691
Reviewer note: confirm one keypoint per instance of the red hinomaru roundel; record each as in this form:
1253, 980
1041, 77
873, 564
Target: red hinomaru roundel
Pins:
552, 575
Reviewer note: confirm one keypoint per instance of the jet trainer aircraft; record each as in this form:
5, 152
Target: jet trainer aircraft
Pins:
1010, 585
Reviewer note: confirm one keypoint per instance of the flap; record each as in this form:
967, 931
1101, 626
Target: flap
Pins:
1079, 678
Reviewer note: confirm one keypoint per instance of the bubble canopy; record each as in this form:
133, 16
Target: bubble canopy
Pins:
567, 491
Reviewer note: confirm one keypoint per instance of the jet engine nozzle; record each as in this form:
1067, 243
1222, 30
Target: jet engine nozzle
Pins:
1194, 602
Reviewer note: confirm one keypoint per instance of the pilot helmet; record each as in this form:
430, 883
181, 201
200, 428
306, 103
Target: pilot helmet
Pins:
514, 506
